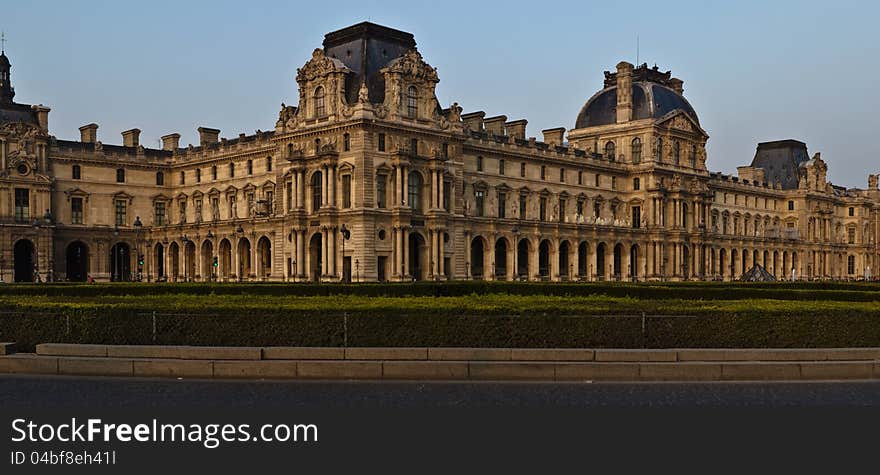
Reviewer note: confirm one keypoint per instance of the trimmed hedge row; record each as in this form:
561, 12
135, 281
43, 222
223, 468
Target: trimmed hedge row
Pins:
101, 325
659, 291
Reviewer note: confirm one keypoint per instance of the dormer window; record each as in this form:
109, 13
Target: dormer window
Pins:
609, 150
319, 102
636, 150
412, 102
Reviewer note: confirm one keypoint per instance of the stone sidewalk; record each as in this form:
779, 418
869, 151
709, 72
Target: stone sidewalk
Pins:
451, 364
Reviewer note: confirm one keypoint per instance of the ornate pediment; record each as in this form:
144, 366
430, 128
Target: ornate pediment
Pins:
21, 130
411, 64
77, 192
680, 120
319, 66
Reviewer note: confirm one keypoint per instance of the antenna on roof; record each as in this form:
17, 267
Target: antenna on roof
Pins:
2, 42
637, 50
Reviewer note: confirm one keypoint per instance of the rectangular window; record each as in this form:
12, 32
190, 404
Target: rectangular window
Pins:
160, 179
543, 172
198, 211
182, 205
250, 203
250, 167
580, 178
269, 164
791, 205
120, 175
346, 142
270, 202
523, 201
214, 172
76, 210
182, 178
447, 192
542, 211
159, 210
614, 183
597, 180
562, 175
636, 184
561, 216
381, 190
479, 196
198, 175
851, 264
522, 169
231, 171
381, 142
479, 164
579, 210
636, 216
120, 212
22, 205
851, 235
215, 209
852, 211
444, 150
289, 198
77, 172
502, 204
414, 146
346, 191
501, 167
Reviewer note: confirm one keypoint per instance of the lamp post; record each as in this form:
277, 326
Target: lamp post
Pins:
137, 245
346, 234
210, 236
515, 250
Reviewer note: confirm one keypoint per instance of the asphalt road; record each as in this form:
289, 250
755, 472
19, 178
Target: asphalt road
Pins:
19, 391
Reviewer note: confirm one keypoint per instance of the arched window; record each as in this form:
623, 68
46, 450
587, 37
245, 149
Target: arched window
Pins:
659, 152
609, 150
676, 152
319, 102
636, 150
693, 156
412, 101
415, 191
160, 179
316, 191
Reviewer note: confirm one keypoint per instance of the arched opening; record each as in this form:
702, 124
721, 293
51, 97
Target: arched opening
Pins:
225, 258
565, 269
600, 261
316, 187
774, 262
264, 253
721, 260
320, 110
159, 261
755, 258
25, 261
501, 259
544, 259
209, 272
794, 266
189, 269
582, 260
685, 262
316, 258
684, 215
618, 261
733, 260
744, 257
174, 260
244, 258
609, 150
77, 262
417, 251
120, 262
477, 257
634, 262
522, 258
636, 150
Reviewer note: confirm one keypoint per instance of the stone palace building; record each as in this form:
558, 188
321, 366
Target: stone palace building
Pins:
370, 178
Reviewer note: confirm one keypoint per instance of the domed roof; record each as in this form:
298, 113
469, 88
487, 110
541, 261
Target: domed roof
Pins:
649, 100
4, 61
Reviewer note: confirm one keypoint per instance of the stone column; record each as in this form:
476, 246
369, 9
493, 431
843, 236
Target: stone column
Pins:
442, 192
405, 237
404, 198
441, 253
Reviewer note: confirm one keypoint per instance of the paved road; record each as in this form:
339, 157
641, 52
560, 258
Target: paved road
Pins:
17, 391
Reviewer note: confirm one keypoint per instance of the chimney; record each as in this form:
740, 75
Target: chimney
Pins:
171, 142
474, 120
553, 136
207, 136
495, 125
872, 182
677, 85
130, 138
88, 133
624, 92
42, 116
517, 128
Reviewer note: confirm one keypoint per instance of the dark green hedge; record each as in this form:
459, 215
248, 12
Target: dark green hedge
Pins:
840, 291
838, 329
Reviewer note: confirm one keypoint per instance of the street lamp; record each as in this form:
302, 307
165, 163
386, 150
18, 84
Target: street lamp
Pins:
346, 235
515, 250
210, 236
240, 231
185, 241
137, 246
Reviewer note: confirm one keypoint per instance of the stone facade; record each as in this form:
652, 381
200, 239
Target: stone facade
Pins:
370, 178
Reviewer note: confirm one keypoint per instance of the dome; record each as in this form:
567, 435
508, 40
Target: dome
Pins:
649, 100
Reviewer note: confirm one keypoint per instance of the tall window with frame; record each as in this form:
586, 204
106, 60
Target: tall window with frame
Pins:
414, 146
479, 163
502, 204
580, 177
269, 195
412, 102
562, 175
693, 156
120, 175
381, 190
182, 205
214, 172
522, 169
232, 170
850, 265
676, 152
160, 179
523, 204
447, 193
288, 201
346, 142
22, 205
637, 184
579, 210
76, 210
636, 150
198, 175
315, 185
543, 172
320, 111
501, 167
215, 208
268, 164
346, 191
636, 216
542, 209
121, 208
479, 203
415, 191
250, 167
380, 143
609, 150
182, 177
561, 217
159, 213
76, 172
658, 154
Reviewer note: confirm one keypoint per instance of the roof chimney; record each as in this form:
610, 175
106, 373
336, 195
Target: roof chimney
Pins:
474, 120
677, 85
554, 136
170, 142
42, 116
517, 128
495, 125
88, 133
130, 138
207, 136
624, 92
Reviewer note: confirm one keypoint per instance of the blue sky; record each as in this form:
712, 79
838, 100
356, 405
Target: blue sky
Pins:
754, 71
